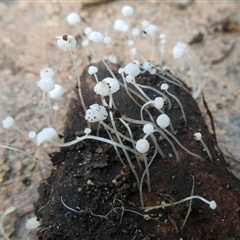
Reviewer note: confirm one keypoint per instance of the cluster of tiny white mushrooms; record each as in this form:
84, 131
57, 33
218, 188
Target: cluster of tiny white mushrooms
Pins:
106, 88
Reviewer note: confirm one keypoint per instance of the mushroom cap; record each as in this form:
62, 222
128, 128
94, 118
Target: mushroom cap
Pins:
46, 72
96, 113
73, 18
127, 11
46, 84
66, 42
7, 122
178, 50
113, 84
57, 92
158, 102
142, 145
197, 136
96, 37
46, 134
121, 25
163, 121
132, 69
92, 70
148, 128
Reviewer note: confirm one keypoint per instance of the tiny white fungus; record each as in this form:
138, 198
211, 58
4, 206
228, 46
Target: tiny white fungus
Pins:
142, 145
132, 69
46, 72
88, 30
32, 135
102, 88
178, 50
56, 107
130, 79
120, 26
114, 84
164, 86
92, 70
127, 11
96, 37
136, 32
66, 42
87, 131
148, 128
47, 134
7, 122
96, 113
73, 18
46, 84
163, 121
158, 102
32, 223
107, 40
57, 92
197, 136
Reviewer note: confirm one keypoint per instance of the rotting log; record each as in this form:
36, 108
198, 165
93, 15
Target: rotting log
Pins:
91, 195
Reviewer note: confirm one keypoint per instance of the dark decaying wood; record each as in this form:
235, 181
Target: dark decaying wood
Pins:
108, 206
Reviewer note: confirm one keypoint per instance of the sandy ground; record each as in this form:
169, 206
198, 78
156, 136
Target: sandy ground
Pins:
27, 45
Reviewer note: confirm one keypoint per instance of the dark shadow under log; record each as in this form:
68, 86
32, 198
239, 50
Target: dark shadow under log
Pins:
90, 179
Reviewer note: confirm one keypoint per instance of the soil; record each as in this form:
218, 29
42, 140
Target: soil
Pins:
91, 195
